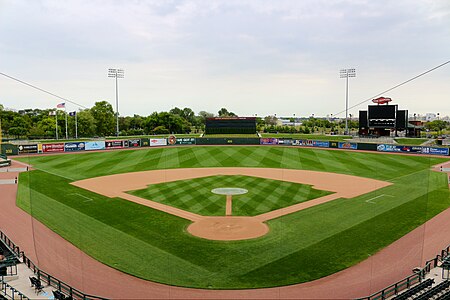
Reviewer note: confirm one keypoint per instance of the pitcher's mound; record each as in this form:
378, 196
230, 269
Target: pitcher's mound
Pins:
228, 228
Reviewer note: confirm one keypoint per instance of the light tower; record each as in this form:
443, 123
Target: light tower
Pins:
346, 73
116, 73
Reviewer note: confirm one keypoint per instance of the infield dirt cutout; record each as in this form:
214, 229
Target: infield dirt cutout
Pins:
229, 228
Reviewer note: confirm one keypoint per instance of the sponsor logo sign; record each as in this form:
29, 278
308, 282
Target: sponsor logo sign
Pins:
435, 151
322, 144
269, 141
58, 147
134, 143
347, 145
116, 144
97, 145
285, 142
75, 146
33, 148
158, 142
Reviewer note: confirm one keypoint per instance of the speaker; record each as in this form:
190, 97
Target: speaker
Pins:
363, 123
401, 120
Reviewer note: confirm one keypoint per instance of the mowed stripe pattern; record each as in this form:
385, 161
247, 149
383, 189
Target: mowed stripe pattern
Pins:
300, 247
263, 195
87, 165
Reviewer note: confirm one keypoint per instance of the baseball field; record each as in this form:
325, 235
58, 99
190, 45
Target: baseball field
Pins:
301, 245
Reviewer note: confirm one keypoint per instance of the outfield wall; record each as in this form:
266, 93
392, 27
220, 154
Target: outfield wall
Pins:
59, 147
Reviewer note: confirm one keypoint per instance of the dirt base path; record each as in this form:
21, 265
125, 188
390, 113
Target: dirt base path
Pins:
61, 259
231, 228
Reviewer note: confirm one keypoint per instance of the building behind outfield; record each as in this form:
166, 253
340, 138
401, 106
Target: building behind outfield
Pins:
231, 125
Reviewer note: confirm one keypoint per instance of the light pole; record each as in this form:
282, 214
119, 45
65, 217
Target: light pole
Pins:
346, 73
116, 73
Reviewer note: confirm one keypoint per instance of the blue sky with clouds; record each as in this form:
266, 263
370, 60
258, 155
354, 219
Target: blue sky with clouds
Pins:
251, 56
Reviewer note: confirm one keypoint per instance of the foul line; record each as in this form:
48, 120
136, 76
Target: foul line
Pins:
88, 199
379, 196
51, 173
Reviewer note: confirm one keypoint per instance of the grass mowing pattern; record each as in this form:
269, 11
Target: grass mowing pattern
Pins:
300, 247
263, 195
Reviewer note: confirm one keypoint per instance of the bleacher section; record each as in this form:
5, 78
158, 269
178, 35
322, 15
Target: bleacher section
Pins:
415, 290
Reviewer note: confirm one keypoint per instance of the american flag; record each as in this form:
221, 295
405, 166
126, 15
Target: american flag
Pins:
61, 105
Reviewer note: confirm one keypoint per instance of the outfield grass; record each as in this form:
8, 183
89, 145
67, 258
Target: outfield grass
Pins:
300, 247
263, 195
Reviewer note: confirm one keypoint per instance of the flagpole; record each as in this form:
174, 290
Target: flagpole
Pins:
56, 114
76, 125
65, 112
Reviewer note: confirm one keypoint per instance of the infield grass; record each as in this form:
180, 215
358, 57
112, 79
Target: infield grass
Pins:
300, 247
263, 195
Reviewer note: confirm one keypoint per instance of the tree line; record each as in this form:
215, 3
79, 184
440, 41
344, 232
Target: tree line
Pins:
100, 120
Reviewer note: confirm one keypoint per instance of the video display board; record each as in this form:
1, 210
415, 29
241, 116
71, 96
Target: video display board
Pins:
232, 125
382, 111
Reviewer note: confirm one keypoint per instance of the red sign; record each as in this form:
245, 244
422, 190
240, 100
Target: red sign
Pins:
59, 147
382, 100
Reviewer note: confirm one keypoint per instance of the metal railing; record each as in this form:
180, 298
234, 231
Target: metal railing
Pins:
44, 276
9, 292
409, 281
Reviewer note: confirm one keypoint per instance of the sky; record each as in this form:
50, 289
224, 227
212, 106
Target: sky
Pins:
250, 56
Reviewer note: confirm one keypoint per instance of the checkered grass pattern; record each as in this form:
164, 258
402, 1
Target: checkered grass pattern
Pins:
263, 195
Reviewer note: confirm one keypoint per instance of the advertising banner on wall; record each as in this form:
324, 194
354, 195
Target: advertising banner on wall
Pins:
116, 144
287, 142
435, 150
172, 140
134, 143
30, 148
97, 145
347, 145
321, 144
269, 141
9, 149
58, 147
75, 146
334, 144
158, 142
145, 142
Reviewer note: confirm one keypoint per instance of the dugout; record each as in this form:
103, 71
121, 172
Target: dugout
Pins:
230, 125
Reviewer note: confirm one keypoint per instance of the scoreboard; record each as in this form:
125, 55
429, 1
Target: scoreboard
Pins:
231, 125
382, 116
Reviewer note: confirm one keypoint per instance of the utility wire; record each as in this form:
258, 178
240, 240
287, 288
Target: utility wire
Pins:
394, 87
42, 90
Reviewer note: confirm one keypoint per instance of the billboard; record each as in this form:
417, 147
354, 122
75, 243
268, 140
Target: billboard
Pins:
75, 146
145, 142
30, 148
269, 141
9, 149
134, 143
435, 150
382, 111
158, 142
172, 140
57, 147
287, 142
347, 145
97, 145
116, 144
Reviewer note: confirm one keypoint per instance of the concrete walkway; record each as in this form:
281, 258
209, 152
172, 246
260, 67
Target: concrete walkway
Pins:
21, 283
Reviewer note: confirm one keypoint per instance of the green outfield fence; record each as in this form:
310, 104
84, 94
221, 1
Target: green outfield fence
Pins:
42, 275
78, 146
409, 281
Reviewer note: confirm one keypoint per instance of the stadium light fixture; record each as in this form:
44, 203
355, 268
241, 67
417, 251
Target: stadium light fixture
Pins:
346, 73
116, 73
